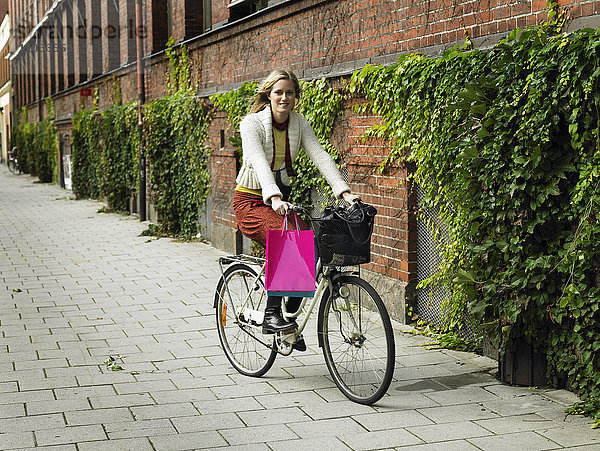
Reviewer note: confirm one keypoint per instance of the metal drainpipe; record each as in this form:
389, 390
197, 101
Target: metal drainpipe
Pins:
39, 76
141, 100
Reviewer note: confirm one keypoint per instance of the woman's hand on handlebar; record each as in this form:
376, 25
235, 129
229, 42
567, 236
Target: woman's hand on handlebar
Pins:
349, 197
279, 205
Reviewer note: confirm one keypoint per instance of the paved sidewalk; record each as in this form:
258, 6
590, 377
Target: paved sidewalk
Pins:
78, 287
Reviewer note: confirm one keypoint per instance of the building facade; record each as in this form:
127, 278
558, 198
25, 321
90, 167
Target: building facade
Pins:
62, 48
5, 87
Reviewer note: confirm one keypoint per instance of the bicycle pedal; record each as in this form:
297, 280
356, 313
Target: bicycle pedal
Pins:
299, 344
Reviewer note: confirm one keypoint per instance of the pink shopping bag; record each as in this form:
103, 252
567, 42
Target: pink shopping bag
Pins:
291, 265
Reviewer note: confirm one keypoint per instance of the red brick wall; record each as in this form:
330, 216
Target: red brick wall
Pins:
333, 36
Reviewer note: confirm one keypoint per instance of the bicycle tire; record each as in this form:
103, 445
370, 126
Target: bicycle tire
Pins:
240, 342
12, 167
358, 340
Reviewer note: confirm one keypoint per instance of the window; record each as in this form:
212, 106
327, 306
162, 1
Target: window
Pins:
242, 8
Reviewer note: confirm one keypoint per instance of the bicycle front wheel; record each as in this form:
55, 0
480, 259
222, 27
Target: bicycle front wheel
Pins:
12, 165
358, 341
239, 297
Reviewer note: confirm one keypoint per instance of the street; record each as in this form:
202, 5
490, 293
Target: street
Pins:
108, 341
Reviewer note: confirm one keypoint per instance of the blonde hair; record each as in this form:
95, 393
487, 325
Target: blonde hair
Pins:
261, 99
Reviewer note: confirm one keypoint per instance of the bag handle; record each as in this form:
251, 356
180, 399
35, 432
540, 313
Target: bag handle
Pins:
363, 219
285, 222
357, 241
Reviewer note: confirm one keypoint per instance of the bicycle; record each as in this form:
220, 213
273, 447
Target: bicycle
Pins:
354, 330
13, 161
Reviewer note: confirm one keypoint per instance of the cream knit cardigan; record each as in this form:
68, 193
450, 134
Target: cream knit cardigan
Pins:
257, 145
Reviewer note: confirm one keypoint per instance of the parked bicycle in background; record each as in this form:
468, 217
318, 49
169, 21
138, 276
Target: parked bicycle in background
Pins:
13, 161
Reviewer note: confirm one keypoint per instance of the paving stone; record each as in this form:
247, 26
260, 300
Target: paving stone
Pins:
529, 441
324, 443
98, 391
257, 434
56, 406
336, 409
451, 414
448, 431
98, 416
137, 444
26, 396
518, 423
252, 447
294, 399
453, 445
192, 440
106, 402
139, 428
144, 387
208, 422
284, 415
239, 391
392, 420
418, 372
332, 427
570, 436
396, 400
164, 411
202, 382
43, 364
190, 395
8, 387
397, 438
462, 396
227, 405
426, 359
522, 405
72, 447
65, 435
16, 440
290, 384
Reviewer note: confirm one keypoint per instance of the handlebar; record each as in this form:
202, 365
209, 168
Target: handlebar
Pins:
298, 209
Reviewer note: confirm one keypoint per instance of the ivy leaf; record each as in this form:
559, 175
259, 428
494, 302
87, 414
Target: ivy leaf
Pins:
479, 109
482, 133
463, 277
468, 153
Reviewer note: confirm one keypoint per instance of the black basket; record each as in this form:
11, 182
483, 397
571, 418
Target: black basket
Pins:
344, 235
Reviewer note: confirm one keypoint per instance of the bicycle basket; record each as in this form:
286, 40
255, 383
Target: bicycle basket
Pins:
344, 235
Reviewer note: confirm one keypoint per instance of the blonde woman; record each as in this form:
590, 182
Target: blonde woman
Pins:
272, 134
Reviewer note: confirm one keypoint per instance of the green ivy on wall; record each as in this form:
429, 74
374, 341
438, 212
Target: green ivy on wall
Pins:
37, 145
176, 132
46, 146
87, 167
506, 143
119, 160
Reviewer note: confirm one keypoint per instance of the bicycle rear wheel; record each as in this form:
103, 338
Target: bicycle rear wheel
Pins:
358, 340
238, 297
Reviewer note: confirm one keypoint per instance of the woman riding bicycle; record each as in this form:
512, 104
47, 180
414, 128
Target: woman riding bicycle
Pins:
272, 135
